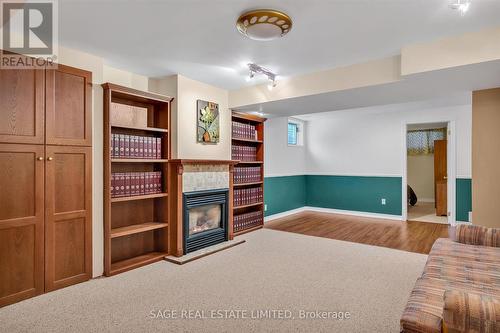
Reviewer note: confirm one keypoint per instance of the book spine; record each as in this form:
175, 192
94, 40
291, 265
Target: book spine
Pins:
122, 184
159, 182
141, 183
134, 146
112, 187
121, 145
153, 150
158, 148
150, 147
141, 147
127, 145
117, 146
127, 184
133, 184
137, 183
112, 145
146, 182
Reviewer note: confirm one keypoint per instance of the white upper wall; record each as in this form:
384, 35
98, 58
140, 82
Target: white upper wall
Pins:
189, 91
369, 142
186, 92
281, 159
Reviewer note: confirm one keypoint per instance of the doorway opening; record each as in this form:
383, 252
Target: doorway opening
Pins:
427, 190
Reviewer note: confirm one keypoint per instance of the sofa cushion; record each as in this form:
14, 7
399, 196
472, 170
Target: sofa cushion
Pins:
446, 247
469, 312
424, 310
477, 235
456, 269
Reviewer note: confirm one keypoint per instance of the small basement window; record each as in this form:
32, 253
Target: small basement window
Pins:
295, 132
292, 134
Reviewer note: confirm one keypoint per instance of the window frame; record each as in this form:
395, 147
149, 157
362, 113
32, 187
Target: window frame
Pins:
296, 134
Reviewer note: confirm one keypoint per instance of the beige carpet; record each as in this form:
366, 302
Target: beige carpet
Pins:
272, 270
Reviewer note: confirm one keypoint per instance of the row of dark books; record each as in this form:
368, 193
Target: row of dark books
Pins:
247, 220
247, 196
133, 146
126, 184
244, 131
244, 153
247, 175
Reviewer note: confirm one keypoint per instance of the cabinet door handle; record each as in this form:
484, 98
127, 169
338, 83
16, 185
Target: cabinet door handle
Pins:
49, 158
40, 158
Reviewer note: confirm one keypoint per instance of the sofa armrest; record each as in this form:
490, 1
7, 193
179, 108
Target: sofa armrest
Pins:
469, 312
477, 235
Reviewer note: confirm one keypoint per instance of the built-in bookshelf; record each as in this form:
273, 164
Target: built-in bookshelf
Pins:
248, 175
136, 155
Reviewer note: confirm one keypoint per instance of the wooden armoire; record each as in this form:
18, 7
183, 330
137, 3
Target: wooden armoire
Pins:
45, 180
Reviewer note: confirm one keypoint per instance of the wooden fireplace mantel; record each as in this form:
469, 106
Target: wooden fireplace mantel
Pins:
175, 171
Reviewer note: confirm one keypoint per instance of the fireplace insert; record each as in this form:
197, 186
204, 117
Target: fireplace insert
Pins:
205, 218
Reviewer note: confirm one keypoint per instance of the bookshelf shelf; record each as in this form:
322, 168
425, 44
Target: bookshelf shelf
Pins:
139, 128
135, 262
139, 160
136, 228
247, 184
237, 233
139, 197
247, 118
249, 205
130, 113
247, 140
248, 143
250, 162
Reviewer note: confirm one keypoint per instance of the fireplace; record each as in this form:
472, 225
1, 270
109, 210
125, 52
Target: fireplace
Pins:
205, 218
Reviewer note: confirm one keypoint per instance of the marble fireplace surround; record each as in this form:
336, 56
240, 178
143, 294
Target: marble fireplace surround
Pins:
203, 177
190, 176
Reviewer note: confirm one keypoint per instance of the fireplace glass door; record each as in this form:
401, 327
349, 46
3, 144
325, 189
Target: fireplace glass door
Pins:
203, 218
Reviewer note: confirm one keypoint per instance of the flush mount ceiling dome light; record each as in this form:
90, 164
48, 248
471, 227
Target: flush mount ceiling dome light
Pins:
461, 5
264, 24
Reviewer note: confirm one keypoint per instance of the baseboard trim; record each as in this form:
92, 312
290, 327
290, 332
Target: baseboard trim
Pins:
284, 214
334, 211
355, 213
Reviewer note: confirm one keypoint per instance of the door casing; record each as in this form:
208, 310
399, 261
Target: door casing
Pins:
452, 165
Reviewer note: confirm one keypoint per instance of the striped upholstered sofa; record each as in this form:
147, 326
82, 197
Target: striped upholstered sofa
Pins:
459, 290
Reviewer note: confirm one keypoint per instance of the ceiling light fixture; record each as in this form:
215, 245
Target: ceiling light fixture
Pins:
461, 5
256, 69
264, 24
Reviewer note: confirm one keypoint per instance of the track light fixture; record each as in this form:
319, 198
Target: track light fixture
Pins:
256, 69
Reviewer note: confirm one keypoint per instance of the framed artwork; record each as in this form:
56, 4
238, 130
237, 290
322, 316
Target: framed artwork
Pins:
207, 121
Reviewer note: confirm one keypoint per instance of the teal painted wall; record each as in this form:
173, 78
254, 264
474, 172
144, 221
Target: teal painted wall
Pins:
349, 193
284, 193
355, 193
463, 198
337, 192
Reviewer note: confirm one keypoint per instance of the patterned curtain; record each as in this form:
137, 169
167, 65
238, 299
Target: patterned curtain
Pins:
421, 142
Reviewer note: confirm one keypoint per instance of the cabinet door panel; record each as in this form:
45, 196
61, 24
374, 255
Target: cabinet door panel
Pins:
21, 106
68, 235
21, 222
68, 106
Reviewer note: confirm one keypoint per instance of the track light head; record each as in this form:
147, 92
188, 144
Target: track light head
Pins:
256, 69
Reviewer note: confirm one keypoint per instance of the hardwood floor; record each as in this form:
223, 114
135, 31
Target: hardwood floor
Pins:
408, 236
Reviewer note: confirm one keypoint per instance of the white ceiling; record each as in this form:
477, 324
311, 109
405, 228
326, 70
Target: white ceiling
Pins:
198, 38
